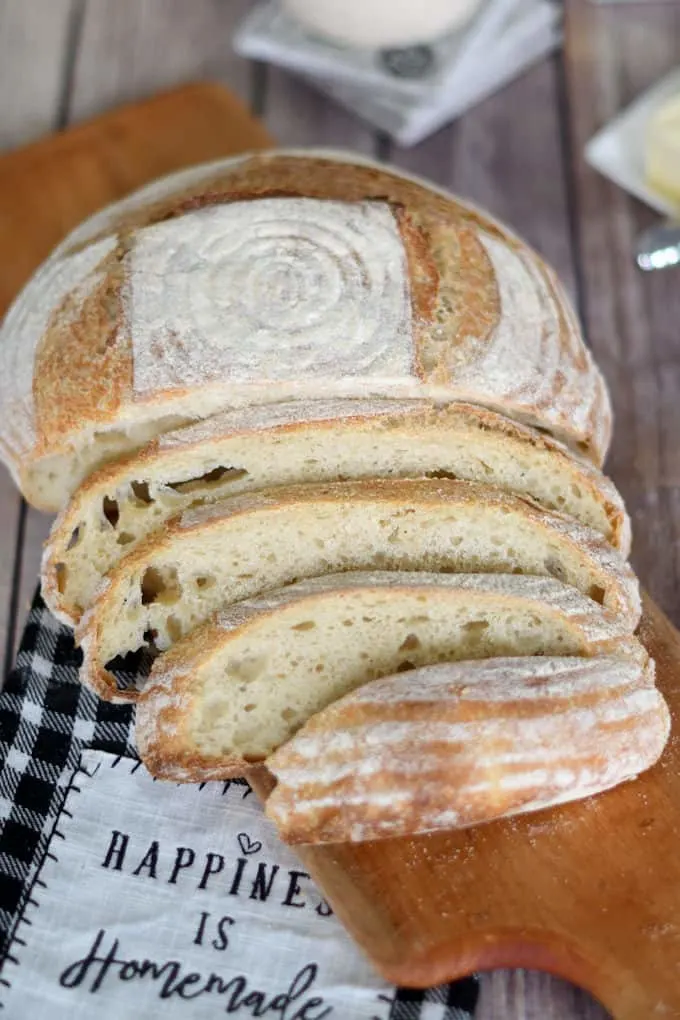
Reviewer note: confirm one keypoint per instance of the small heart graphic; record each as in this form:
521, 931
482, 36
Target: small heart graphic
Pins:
248, 845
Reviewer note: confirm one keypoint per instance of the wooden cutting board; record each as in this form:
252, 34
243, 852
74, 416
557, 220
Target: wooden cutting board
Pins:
589, 891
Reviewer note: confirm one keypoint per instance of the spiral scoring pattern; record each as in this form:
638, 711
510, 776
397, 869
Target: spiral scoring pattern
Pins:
271, 290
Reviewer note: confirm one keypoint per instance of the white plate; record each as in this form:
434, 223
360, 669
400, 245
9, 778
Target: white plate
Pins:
618, 150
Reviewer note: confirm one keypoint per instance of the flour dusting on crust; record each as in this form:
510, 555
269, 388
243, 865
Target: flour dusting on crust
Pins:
276, 289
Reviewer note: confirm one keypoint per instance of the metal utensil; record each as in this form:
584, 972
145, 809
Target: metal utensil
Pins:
659, 247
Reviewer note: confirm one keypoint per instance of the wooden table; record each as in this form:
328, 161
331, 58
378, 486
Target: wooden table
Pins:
519, 154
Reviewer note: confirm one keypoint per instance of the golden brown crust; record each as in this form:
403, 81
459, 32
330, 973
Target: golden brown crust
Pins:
480, 741
84, 361
272, 175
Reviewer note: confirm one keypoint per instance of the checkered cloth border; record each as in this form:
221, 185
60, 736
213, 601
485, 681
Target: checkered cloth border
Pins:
46, 719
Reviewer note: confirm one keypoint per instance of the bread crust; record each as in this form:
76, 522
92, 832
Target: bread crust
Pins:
489, 323
460, 744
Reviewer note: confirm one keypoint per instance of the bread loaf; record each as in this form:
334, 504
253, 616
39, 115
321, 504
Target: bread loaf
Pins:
219, 554
234, 690
273, 277
280, 444
454, 745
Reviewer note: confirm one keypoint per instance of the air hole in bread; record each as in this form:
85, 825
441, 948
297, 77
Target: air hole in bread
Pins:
111, 510
218, 475
110, 436
76, 537
597, 593
348, 623
305, 625
141, 493
250, 707
475, 626
132, 669
441, 474
204, 581
410, 643
555, 568
405, 666
150, 637
288, 714
61, 574
160, 586
247, 668
124, 538
174, 628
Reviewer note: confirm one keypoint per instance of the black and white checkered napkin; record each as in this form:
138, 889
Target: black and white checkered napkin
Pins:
93, 877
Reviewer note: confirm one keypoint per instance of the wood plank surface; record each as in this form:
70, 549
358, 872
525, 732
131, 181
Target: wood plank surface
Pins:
296, 114
133, 48
612, 54
35, 51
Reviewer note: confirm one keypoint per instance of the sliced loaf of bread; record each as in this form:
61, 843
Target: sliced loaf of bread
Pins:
233, 550
302, 442
237, 688
457, 744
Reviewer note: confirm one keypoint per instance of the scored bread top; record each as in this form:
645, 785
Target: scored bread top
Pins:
270, 662
457, 744
223, 552
281, 276
302, 442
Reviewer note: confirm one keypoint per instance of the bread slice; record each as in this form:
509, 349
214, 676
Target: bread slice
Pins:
281, 276
236, 549
234, 690
457, 744
282, 444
